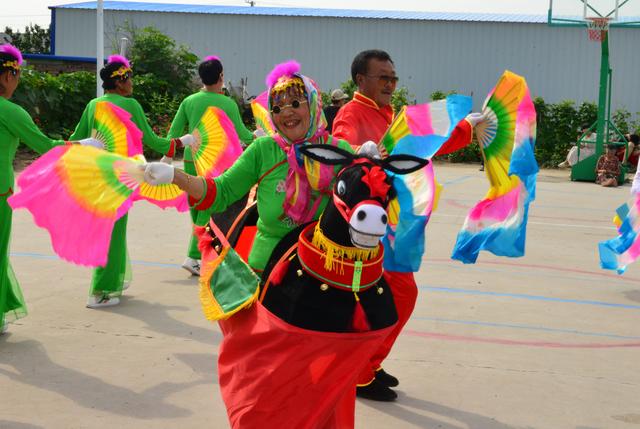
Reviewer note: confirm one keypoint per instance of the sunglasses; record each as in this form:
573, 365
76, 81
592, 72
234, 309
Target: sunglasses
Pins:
383, 80
295, 104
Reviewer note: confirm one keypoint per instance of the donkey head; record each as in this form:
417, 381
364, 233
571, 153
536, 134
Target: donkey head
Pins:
356, 215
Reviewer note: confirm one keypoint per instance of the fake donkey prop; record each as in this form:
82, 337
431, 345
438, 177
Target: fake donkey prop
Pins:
292, 357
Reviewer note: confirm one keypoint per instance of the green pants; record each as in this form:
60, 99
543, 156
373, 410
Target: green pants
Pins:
109, 280
12, 304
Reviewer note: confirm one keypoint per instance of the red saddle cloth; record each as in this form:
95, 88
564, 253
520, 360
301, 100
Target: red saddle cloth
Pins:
275, 375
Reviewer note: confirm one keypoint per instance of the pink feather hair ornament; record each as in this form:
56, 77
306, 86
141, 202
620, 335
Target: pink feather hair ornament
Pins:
13, 51
118, 59
288, 68
211, 58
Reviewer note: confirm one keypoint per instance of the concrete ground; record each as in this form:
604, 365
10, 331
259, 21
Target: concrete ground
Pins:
545, 341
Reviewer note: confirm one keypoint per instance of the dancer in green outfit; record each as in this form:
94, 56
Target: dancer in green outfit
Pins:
108, 282
188, 116
15, 126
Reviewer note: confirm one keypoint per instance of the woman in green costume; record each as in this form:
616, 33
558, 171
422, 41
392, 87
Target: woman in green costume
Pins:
15, 126
109, 281
288, 194
188, 116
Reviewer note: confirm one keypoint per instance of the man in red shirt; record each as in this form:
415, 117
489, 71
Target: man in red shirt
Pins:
366, 118
368, 115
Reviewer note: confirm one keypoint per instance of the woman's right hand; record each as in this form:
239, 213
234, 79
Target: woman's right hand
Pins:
158, 173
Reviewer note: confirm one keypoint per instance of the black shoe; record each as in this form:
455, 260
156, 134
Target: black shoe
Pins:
386, 379
376, 391
481, 168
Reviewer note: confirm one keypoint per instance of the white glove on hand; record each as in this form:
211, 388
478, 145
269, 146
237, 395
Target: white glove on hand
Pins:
91, 142
635, 186
259, 132
187, 140
475, 118
167, 160
369, 149
158, 173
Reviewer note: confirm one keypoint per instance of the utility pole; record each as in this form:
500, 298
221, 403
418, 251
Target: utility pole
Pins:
99, 45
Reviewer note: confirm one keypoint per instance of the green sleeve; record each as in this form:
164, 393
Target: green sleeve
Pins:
149, 138
245, 135
236, 182
22, 126
83, 129
178, 124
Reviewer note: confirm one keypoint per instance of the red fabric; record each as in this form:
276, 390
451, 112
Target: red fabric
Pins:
208, 199
172, 147
405, 293
361, 120
274, 375
245, 242
460, 137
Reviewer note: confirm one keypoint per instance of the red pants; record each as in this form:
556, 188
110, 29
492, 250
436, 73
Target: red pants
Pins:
405, 293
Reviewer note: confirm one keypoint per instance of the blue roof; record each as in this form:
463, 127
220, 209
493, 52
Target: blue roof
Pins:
308, 12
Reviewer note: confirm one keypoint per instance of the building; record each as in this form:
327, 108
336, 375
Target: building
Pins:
432, 51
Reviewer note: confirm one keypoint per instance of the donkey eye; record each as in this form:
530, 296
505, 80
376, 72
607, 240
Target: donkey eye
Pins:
341, 188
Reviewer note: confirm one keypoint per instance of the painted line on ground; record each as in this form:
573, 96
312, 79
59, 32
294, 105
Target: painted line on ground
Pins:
506, 342
55, 258
526, 327
457, 180
529, 297
546, 267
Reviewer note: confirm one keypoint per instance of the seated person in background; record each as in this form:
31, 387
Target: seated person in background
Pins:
608, 168
634, 149
587, 148
338, 99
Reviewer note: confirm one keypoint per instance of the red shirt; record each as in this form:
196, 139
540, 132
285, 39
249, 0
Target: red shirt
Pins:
361, 120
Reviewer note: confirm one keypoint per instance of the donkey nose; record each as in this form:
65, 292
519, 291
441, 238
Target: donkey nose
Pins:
369, 219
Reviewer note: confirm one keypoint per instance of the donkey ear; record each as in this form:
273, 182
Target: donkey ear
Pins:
403, 164
327, 154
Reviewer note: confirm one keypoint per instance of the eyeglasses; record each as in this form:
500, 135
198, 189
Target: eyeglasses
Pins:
295, 104
383, 80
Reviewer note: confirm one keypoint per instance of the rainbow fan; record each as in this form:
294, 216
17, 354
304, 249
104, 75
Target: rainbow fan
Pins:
260, 109
217, 145
77, 193
617, 253
506, 139
113, 127
419, 130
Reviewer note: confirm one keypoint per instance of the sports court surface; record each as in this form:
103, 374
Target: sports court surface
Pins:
545, 341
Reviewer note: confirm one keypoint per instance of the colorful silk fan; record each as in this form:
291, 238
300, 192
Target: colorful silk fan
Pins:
217, 144
113, 127
418, 130
260, 109
506, 139
617, 253
77, 193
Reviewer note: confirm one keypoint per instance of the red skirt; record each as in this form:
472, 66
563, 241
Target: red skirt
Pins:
275, 375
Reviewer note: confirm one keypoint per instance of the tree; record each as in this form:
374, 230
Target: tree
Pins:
34, 40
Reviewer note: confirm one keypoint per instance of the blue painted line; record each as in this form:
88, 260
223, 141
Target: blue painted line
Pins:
53, 257
526, 327
530, 297
457, 180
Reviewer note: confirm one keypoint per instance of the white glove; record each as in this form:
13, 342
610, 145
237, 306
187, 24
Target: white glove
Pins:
91, 142
475, 118
167, 160
158, 173
259, 132
635, 186
187, 140
369, 149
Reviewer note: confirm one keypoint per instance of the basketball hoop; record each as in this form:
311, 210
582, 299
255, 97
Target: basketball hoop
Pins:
597, 28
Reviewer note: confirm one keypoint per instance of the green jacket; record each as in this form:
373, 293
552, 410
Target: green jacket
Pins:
131, 105
236, 182
15, 126
193, 107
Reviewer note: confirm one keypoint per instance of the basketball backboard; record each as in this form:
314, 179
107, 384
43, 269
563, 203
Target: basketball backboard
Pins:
621, 13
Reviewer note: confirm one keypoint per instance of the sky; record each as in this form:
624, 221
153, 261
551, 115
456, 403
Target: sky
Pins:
18, 14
